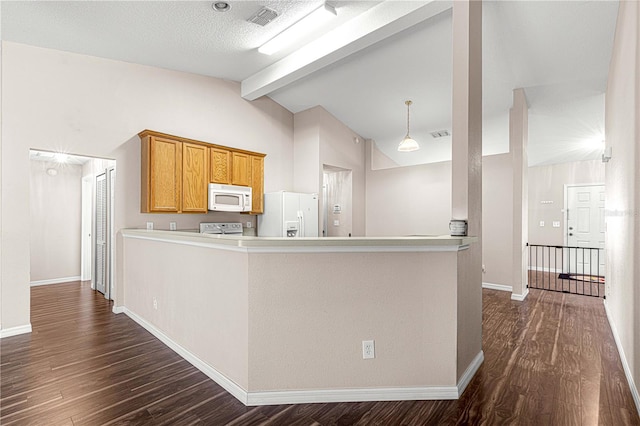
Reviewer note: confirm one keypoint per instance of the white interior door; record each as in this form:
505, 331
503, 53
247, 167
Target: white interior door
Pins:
111, 243
87, 214
585, 228
101, 234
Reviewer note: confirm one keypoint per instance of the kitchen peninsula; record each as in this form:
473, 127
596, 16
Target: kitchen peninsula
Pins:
283, 320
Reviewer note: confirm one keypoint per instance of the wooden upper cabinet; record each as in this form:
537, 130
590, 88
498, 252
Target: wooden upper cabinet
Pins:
176, 172
241, 169
257, 184
220, 166
161, 175
195, 178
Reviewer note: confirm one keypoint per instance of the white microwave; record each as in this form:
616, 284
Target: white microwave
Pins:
229, 198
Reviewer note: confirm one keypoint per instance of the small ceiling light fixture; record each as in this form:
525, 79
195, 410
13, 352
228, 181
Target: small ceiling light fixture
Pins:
221, 6
297, 30
408, 144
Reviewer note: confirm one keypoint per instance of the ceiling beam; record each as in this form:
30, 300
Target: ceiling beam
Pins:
376, 24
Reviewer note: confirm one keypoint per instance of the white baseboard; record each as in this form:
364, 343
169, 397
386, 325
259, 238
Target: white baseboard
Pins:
520, 297
623, 359
213, 374
352, 395
118, 309
418, 393
15, 331
55, 281
470, 372
312, 396
499, 287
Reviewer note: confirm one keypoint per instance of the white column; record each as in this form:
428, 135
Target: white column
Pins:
466, 197
518, 139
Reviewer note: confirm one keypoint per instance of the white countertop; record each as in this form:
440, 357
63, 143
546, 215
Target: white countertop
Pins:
309, 244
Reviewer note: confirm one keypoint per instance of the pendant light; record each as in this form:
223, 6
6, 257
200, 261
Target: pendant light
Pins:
408, 144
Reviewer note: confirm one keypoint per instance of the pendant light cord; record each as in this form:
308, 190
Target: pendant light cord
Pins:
408, 103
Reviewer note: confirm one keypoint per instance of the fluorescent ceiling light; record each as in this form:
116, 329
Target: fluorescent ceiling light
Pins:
297, 30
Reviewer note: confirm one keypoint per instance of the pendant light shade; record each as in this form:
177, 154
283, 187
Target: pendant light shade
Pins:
408, 144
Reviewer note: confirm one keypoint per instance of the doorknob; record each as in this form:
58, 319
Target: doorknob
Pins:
571, 234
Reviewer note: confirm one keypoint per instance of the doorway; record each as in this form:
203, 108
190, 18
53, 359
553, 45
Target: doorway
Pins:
336, 202
64, 216
585, 227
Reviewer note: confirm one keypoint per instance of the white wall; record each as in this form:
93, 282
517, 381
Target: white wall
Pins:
497, 219
413, 200
622, 204
55, 225
416, 200
546, 183
60, 101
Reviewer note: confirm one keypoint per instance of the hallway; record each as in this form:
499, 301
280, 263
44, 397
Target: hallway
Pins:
549, 360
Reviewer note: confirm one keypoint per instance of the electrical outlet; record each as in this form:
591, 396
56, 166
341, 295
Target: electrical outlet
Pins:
368, 349
336, 222
484, 269
249, 224
149, 226
556, 224
173, 226
155, 303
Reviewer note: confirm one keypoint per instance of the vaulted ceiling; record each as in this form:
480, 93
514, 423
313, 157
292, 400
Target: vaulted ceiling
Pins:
366, 62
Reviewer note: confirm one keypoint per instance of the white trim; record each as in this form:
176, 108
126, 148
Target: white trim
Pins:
357, 249
499, 287
353, 395
15, 331
520, 297
118, 309
55, 281
418, 393
623, 359
470, 372
213, 374
238, 245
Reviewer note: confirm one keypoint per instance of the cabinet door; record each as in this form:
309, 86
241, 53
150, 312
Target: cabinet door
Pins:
165, 175
241, 170
257, 184
220, 166
195, 168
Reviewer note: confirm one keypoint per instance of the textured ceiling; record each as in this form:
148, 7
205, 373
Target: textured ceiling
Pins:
557, 51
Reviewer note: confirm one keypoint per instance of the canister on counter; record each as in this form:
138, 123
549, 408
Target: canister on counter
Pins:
458, 227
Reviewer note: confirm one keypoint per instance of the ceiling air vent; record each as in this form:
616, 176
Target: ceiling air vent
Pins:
263, 16
440, 134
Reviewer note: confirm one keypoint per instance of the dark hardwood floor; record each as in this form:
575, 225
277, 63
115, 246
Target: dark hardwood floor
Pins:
550, 360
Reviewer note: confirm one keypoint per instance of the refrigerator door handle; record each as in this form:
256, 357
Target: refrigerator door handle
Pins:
301, 223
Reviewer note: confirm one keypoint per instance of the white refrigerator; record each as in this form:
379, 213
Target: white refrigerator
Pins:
289, 214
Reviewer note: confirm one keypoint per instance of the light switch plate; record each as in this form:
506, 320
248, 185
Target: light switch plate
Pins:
173, 226
556, 224
542, 223
336, 223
